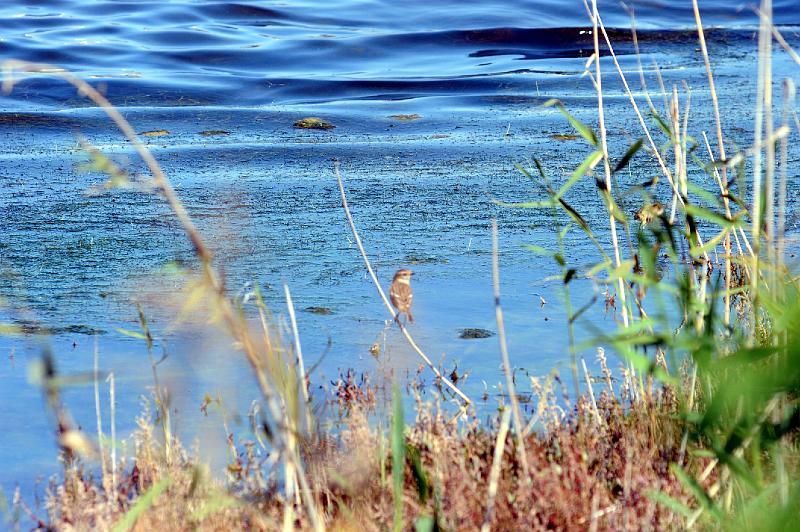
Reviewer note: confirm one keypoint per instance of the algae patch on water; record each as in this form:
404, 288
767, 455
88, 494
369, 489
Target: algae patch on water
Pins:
322, 311
405, 117
471, 333
564, 137
154, 133
313, 123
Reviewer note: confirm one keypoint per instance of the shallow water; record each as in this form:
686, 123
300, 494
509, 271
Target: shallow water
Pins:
264, 194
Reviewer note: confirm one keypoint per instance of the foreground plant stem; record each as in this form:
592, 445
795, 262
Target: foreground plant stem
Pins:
721, 146
507, 368
386, 302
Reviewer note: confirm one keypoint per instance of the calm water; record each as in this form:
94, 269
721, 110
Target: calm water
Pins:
265, 196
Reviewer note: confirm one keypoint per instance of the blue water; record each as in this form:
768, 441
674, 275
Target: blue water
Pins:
264, 195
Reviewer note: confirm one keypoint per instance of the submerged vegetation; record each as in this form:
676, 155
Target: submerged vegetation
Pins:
699, 428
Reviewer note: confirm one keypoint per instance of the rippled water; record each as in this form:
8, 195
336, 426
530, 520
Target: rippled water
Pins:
264, 194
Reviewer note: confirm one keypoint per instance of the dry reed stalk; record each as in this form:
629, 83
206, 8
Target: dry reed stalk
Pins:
723, 189
779, 37
601, 358
721, 147
531, 423
635, 37
98, 414
113, 406
598, 23
595, 411
162, 400
680, 173
385, 300
494, 474
606, 163
661, 84
299, 353
682, 141
501, 335
596, 17
769, 166
289, 452
290, 483
788, 105
690, 406
764, 44
289, 469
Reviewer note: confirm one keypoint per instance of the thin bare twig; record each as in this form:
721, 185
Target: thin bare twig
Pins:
606, 163
778, 37
721, 146
386, 302
595, 410
97, 411
494, 474
112, 400
299, 352
501, 335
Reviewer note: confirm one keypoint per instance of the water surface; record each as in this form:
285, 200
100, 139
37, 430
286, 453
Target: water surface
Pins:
422, 191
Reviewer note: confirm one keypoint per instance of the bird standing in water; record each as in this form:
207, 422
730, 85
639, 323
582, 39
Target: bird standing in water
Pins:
401, 295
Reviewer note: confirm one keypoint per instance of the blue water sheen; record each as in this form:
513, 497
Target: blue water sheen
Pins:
423, 191
267, 53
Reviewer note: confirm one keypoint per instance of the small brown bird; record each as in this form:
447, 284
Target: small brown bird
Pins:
400, 293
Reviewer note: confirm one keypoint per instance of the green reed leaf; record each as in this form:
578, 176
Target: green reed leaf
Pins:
697, 490
662, 125
673, 504
711, 216
696, 251
633, 150
584, 130
132, 334
398, 456
144, 503
588, 163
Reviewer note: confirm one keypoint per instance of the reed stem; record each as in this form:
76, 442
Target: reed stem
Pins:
507, 369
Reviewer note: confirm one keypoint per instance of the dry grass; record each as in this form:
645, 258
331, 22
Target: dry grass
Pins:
581, 476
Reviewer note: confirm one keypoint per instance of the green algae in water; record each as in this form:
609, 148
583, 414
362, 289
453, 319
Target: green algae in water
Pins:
322, 311
471, 333
313, 123
154, 133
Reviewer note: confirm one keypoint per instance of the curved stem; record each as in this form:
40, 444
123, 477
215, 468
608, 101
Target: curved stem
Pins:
386, 302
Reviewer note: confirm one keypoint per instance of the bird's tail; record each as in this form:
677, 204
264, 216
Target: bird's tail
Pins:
410, 317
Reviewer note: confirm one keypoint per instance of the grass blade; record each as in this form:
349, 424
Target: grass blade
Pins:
144, 503
635, 147
584, 130
398, 457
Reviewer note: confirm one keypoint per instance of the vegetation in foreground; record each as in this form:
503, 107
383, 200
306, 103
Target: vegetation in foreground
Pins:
699, 283
587, 469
